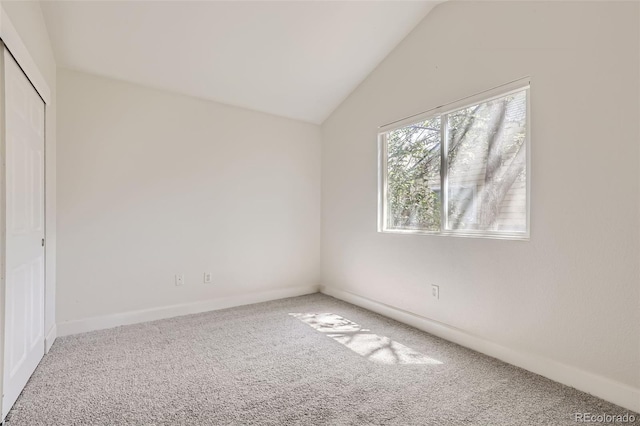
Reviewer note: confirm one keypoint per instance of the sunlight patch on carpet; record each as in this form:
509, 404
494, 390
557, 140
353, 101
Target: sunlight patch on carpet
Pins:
362, 341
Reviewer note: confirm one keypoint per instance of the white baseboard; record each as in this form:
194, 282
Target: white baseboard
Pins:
145, 315
50, 338
602, 387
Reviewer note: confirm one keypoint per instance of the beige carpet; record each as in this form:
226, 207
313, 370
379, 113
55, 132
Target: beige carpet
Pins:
310, 360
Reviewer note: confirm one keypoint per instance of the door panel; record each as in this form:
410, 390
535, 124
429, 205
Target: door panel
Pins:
24, 301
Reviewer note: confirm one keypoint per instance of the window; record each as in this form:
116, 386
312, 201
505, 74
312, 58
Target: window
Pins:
461, 169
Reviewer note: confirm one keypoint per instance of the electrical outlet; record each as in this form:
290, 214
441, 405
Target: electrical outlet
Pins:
435, 291
208, 277
180, 279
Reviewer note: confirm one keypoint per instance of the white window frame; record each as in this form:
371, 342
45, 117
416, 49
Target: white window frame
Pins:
485, 96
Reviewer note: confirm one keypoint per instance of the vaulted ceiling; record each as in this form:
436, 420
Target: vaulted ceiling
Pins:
297, 59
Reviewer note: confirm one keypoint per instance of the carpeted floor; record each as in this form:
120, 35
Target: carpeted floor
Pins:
258, 364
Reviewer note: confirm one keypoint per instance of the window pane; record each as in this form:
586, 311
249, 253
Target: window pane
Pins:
487, 166
413, 179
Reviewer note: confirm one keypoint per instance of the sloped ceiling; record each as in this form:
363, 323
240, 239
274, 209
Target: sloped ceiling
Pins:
297, 59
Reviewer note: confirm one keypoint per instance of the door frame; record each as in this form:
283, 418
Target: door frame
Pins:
11, 40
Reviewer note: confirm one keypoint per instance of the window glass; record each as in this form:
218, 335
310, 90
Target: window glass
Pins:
487, 165
413, 161
480, 189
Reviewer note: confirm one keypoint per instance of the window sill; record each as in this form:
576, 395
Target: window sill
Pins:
484, 235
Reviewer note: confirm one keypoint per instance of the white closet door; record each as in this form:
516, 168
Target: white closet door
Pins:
24, 302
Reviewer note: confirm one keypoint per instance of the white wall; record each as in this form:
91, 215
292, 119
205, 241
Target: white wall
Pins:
571, 293
26, 17
153, 184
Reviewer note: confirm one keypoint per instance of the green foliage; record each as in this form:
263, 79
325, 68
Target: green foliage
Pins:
486, 156
413, 173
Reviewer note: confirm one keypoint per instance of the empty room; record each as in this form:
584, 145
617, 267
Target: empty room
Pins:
319, 212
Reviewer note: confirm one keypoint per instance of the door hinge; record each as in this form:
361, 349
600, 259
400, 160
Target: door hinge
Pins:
43, 242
